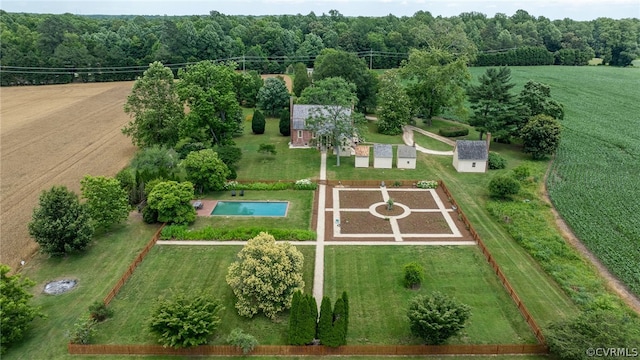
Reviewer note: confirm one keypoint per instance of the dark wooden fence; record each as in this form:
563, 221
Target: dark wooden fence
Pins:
284, 350
496, 268
123, 279
371, 350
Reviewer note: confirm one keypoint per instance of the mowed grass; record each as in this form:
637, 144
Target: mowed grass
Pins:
97, 270
372, 277
430, 143
287, 164
190, 269
298, 214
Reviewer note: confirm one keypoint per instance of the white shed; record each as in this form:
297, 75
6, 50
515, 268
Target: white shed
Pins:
406, 157
471, 156
362, 156
382, 156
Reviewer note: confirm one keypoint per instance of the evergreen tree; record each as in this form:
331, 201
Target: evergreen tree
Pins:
285, 123
294, 319
258, 122
311, 320
325, 323
345, 298
301, 79
494, 107
337, 334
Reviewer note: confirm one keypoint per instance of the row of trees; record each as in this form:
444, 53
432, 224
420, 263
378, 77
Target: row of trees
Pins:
329, 328
104, 48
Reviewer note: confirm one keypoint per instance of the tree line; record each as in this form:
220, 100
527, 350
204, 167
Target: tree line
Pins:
45, 48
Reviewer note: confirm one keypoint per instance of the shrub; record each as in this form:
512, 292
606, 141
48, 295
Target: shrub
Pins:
267, 149
413, 275
285, 123
258, 123
325, 322
522, 172
99, 311
234, 185
503, 186
496, 161
180, 232
427, 184
83, 331
149, 215
246, 342
305, 184
437, 317
184, 320
454, 131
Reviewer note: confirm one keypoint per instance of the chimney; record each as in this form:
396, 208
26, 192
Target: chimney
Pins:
486, 168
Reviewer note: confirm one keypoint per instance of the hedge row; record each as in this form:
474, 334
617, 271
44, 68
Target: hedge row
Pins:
181, 232
298, 185
454, 131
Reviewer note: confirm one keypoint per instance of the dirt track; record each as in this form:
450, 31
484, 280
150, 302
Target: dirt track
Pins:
54, 135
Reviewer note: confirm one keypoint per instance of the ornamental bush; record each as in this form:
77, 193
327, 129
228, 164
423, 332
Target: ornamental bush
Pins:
413, 275
184, 320
427, 184
258, 123
503, 186
435, 318
265, 276
246, 342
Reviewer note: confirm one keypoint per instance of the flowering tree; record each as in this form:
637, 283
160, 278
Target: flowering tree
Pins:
265, 276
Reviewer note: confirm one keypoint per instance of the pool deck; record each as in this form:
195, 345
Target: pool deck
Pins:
207, 207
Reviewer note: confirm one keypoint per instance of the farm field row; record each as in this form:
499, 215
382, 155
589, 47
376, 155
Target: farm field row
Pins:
54, 135
594, 179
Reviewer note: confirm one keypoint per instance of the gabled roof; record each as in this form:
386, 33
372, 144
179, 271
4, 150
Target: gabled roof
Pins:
382, 151
303, 112
363, 150
472, 150
406, 152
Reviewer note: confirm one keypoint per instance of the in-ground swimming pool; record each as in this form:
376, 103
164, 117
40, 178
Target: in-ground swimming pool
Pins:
251, 208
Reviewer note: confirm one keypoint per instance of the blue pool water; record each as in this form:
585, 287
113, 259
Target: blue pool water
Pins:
251, 208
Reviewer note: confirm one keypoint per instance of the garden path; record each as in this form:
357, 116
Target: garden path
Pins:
407, 137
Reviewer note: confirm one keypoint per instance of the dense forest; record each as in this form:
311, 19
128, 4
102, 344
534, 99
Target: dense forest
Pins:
44, 48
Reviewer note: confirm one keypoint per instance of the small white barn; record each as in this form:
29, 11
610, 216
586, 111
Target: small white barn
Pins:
406, 157
471, 156
362, 156
382, 156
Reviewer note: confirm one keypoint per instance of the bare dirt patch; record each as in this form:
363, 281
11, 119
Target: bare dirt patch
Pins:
414, 199
54, 135
424, 222
385, 211
359, 199
363, 223
286, 78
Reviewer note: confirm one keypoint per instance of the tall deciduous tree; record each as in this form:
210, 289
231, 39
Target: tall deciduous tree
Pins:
540, 136
273, 96
435, 318
107, 201
394, 105
155, 107
60, 224
535, 99
16, 313
494, 106
337, 63
185, 320
330, 91
265, 276
205, 170
301, 78
172, 201
333, 125
437, 79
209, 91
247, 86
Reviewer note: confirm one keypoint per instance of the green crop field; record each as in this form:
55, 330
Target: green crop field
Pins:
595, 178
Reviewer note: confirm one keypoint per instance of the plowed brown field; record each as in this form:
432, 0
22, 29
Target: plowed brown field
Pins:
54, 135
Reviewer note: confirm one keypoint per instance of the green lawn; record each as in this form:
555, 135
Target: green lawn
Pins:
371, 135
189, 268
372, 277
287, 164
430, 143
97, 270
298, 215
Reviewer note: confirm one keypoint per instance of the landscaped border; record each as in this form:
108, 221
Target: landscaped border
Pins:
286, 350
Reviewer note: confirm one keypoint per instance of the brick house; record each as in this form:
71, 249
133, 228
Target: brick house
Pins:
300, 136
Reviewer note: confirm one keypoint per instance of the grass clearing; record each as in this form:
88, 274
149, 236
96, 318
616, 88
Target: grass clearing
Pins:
372, 277
189, 268
298, 215
287, 164
97, 270
430, 143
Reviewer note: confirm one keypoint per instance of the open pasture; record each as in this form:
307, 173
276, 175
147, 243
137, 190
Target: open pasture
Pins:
54, 135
